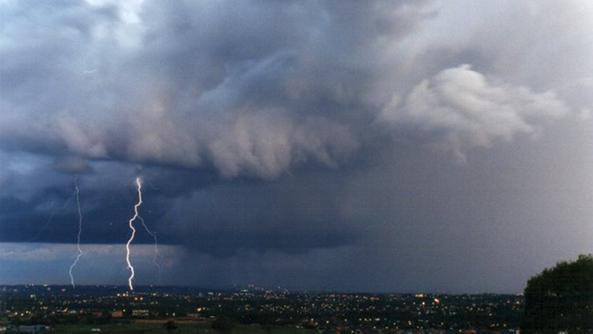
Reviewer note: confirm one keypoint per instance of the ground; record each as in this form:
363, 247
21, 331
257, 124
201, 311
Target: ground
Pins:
182, 329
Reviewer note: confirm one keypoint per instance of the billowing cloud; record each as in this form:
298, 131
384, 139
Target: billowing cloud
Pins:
231, 86
462, 108
248, 89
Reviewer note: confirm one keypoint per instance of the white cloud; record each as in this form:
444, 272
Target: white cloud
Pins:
461, 108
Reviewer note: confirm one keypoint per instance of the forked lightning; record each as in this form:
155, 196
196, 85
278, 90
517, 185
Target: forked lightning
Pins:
78, 248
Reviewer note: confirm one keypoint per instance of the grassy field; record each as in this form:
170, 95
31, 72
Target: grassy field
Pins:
182, 329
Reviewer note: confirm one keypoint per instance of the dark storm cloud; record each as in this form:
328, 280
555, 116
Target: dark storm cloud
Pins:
73, 165
224, 87
253, 88
288, 130
230, 85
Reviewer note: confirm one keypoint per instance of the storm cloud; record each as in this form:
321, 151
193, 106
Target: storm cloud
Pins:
285, 129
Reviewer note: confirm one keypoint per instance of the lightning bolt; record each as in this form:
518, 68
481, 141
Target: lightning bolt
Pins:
133, 235
80, 253
155, 258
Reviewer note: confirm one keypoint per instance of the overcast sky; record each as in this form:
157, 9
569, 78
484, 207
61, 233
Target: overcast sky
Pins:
340, 145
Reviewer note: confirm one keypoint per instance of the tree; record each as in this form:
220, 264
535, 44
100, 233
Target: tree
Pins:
560, 299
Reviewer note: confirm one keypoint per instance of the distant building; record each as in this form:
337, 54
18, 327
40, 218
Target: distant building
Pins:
117, 314
140, 313
196, 317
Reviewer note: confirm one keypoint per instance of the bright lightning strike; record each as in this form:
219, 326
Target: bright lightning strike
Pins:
133, 235
80, 253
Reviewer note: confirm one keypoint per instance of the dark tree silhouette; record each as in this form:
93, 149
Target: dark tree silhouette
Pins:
560, 299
